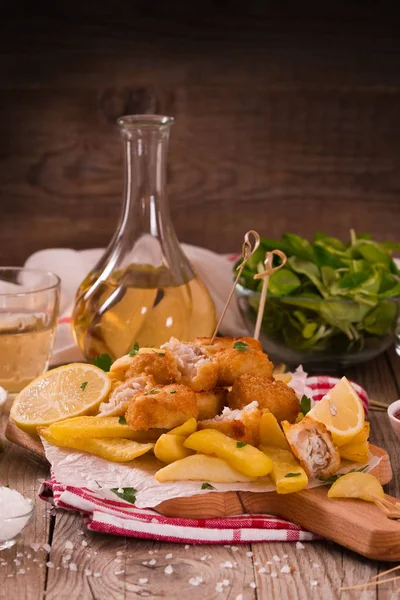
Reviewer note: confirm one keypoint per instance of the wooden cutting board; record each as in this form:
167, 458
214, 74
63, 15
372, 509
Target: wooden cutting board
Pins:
357, 525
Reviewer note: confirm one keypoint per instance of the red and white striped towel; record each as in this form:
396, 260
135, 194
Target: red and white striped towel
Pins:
121, 518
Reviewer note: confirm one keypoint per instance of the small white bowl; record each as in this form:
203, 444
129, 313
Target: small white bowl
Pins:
395, 423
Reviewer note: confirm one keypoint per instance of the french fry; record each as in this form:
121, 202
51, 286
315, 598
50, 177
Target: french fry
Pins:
169, 448
270, 432
287, 475
114, 450
242, 457
186, 429
100, 427
200, 467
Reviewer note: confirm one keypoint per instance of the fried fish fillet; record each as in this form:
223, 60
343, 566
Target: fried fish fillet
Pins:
162, 407
242, 425
233, 363
226, 343
211, 403
123, 393
196, 367
312, 445
276, 396
149, 361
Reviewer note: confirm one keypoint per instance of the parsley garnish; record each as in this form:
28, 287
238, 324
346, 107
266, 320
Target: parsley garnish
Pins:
122, 421
135, 349
336, 477
305, 404
128, 494
173, 392
241, 444
241, 346
152, 391
103, 361
83, 385
159, 353
207, 486
292, 474
97, 483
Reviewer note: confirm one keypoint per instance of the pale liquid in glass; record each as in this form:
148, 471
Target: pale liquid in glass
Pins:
25, 343
139, 304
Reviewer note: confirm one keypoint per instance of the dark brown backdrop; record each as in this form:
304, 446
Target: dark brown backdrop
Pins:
287, 118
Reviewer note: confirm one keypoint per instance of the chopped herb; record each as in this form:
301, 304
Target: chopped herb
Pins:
173, 392
159, 353
83, 385
103, 361
207, 486
292, 474
241, 444
241, 346
122, 421
97, 483
336, 477
7, 486
305, 404
128, 494
152, 391
135, 349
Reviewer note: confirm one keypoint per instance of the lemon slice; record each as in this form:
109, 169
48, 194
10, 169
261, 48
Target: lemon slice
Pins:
68, 391
357, 485
341, 411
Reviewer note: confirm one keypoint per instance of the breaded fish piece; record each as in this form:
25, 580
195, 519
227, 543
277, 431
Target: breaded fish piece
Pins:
233, 363
123, 393
210, 404
225, 343
242, 425
162, 407
159, 363
196, 367
276, 396
311, 443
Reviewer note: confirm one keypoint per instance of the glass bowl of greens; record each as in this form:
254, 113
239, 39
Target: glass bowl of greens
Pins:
332, 304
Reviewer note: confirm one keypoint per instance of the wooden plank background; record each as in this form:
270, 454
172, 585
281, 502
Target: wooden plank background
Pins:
287, 118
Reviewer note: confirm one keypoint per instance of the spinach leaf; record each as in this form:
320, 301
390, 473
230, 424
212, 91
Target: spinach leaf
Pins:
283, 282
381, 320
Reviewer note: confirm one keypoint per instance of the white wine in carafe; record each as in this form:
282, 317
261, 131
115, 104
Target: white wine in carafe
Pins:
139, 303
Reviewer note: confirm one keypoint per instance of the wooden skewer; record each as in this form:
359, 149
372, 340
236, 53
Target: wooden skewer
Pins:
377, 408
390, 509
371, 583
385, 572
376, 403
265, 275
247, 251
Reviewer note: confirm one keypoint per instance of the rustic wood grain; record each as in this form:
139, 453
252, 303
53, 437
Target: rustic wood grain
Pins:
283, 123
23, 577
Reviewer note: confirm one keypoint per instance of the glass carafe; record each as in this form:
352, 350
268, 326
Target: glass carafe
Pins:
143, 289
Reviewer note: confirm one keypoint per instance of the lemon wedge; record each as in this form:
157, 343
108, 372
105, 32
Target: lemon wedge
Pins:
341, 411
68, 391
357, 485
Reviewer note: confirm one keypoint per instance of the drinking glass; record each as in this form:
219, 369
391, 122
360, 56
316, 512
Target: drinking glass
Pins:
29, 305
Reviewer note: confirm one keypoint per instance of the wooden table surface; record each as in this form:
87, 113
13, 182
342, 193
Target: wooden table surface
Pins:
117, 565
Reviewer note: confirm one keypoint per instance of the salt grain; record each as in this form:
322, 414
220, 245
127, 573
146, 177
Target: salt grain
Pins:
234, 548
119, 572
35, 547
87, 572
73, 567
219, 587
187, 547
21, 572
152, 562
253, 585
68, 545
249, 554
285, 569
143, 580
316, 565
314, 582
169, 555
276, 558
49, 564
84, 543
168, 570
299, 546
262, 570
96, 574
20, 555
46, 547
226, 565
239, 597
204, 557
119, 553
17, 562
273, 574
196, 580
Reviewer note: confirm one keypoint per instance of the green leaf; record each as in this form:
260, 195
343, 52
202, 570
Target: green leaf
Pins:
298, 246
382, 319
122, 421
103, 361
135, 349
241, 444
207, 486
329, 275
128, 494
159, 353
336, 477
310, 270
373, 252
330, 241
292, 474
305, 404
241, 346
283, 282
83, 385
173, 392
